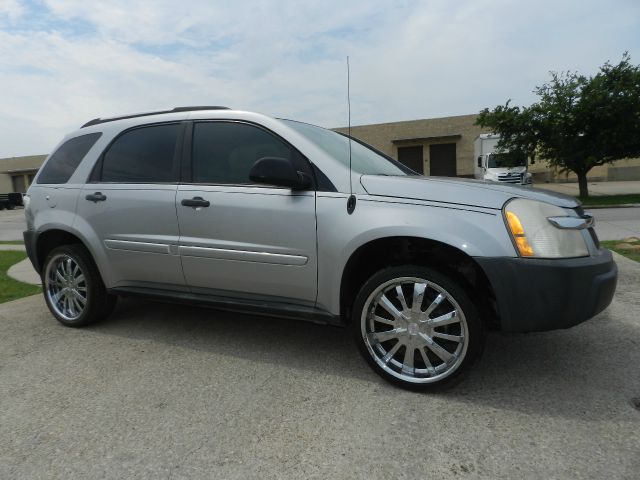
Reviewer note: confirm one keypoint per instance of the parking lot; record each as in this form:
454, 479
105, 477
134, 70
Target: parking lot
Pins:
168, 391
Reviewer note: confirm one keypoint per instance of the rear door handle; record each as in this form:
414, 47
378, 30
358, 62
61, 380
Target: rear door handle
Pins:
195, 202
96, 197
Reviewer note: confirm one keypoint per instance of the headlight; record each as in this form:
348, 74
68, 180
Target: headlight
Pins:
535, 235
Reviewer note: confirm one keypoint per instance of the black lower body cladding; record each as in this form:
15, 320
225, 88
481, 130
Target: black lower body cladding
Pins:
30, 238
548, 294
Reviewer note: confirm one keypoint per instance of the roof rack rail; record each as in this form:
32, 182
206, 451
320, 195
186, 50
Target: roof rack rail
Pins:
97, 121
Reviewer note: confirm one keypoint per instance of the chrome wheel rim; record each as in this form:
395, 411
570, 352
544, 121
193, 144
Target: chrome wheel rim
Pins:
414, 330
66, 287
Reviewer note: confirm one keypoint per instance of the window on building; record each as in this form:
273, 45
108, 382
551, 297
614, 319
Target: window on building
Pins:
66, 159
143, 155
225, 152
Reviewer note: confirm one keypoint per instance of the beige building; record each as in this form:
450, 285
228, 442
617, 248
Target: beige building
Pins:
444, 146
436, 146
16, 173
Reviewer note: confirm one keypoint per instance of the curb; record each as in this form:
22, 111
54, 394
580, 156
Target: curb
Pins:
623, 205
12, 247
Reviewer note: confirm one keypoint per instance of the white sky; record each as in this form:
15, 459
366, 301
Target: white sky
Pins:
63, 62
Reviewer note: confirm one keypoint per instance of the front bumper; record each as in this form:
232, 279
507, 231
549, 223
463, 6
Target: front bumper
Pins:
542, 294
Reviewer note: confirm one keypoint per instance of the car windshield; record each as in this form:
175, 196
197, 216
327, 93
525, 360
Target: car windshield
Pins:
364, 159
506, 160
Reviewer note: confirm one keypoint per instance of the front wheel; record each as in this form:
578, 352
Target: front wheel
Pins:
73, 288
416, 327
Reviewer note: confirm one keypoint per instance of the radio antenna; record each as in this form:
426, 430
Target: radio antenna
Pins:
351, 202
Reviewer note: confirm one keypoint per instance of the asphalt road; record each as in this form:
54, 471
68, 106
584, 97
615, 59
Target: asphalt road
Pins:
12, 224
617, 223
166, 391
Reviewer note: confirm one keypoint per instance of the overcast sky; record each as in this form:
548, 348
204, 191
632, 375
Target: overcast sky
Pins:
63, 62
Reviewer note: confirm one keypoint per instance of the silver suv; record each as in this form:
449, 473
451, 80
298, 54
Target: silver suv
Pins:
244, 212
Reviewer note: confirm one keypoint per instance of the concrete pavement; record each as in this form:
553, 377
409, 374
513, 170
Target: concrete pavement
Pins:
595, 188
22, 271
168, 391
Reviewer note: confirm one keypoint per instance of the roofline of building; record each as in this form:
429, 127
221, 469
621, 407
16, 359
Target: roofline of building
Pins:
21, 157
407, 121
22, 170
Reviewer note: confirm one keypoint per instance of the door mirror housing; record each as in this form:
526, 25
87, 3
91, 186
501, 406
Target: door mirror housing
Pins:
279, 172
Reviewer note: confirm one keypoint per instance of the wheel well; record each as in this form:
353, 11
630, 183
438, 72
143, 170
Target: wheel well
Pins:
51, 239
394, 251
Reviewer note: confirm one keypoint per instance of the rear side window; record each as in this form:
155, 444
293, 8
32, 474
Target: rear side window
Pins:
66, 159
224, 152
143, 155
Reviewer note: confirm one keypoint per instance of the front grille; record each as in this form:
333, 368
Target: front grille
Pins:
506, 178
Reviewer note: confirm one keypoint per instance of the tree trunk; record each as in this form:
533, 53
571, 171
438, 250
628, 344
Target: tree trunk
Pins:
582, 183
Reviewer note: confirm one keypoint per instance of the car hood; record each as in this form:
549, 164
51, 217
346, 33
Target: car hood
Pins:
458, 190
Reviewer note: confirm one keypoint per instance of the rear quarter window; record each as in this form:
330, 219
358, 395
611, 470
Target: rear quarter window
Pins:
66, 159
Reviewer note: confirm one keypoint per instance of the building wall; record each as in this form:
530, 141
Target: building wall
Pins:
24, 167
387, 138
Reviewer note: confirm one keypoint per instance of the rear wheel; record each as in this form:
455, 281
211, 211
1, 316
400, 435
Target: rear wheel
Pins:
73, 288
416, 327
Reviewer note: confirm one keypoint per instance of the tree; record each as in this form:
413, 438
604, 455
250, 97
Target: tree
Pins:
578, 122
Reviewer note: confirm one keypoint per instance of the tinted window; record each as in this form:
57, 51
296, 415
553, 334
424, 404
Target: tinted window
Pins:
225, 152
66, 159
142, 155
364, 158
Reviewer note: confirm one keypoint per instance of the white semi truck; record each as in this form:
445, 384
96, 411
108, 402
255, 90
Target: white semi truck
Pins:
492, 166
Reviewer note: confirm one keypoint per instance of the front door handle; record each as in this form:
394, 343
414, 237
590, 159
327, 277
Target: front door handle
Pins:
96, 197
195, 202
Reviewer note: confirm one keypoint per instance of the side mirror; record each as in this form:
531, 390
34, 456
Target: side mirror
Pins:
279, 172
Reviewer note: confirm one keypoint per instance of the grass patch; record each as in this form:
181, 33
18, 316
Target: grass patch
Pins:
11, 289
618, 247
11, 242
611, 199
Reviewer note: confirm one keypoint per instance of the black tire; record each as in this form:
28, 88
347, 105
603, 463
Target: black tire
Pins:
11, 207
98, 302
418, 373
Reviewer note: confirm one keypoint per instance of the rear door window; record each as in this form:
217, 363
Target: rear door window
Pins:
143, 155
66, 159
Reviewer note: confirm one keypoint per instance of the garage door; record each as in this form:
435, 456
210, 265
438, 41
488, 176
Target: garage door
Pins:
443, 160
412, 158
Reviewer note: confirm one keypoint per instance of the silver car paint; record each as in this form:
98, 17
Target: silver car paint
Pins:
458, 191
465, 215
257, 240
475, 231
138, 230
